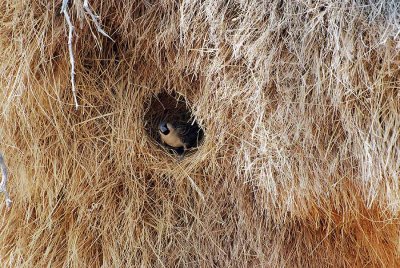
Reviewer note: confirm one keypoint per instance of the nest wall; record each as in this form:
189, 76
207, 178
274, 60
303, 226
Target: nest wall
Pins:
299, 103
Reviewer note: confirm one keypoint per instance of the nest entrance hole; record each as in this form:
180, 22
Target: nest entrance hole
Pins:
170, 108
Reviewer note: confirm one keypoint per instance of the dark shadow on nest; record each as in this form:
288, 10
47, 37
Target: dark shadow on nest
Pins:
170, 108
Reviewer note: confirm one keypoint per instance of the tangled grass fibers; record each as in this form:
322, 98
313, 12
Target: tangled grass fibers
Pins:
299, 165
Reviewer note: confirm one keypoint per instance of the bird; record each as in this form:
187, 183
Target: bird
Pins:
179, 136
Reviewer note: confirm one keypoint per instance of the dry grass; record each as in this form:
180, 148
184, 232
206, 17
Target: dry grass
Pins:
300, 162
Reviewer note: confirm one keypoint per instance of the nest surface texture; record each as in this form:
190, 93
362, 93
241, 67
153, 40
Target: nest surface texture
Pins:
298, 167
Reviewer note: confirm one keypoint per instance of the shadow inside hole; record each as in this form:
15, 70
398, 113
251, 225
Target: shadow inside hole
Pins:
171, 108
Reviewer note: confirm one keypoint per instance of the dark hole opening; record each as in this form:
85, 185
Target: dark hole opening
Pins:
173, 109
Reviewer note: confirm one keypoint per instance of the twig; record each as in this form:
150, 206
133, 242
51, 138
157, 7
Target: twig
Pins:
64, 10
4, 179
95, 19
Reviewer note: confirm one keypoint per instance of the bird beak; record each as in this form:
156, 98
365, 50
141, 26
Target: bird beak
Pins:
163, 128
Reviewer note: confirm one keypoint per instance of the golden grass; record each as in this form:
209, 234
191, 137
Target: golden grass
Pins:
299, 166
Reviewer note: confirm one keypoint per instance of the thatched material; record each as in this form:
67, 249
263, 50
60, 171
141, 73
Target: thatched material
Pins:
299, 166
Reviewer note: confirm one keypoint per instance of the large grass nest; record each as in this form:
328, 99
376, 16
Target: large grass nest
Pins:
300, 106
